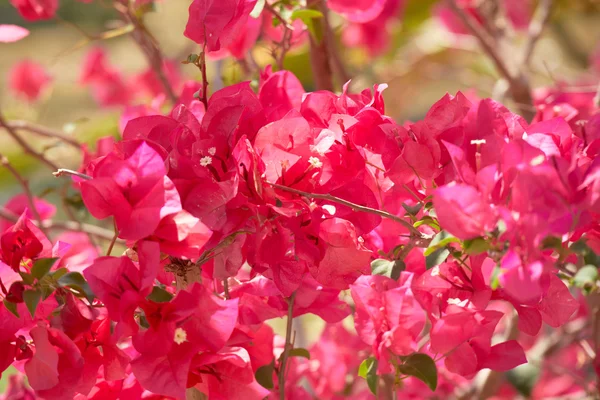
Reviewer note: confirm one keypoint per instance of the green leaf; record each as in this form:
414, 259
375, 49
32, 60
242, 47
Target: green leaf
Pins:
586, 277
42, 266
309, 16
257, 10
439, 241
476, 246
368, 370
436, 258
391, 269
299, 352
495, 278
32, 299
412, 210
12, 307
524, 378
77, 282
27, 278
264, 375
305, 13
422, 367
427, 220
56, 275
159, 295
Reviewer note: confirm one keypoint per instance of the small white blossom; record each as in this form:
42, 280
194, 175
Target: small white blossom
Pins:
180, 336
212, 151
206, 161
478, 141
435, 271
315, 162
456, 302
537, 160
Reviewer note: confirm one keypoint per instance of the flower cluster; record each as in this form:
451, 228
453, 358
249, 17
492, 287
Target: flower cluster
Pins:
449, 241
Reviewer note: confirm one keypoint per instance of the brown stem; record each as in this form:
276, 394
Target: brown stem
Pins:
42, 131
113, 241
287, 347
285, 43
24, 145
74, 226
65, 172
356, 207
336, 60
518, 83
25, 185
201, 64
226, 288
149, 47
536, 27
320, 50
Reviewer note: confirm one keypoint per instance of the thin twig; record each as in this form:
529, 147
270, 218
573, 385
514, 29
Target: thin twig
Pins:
536, 27
320, 52
65, 172
226, 288
149, 47
112, 242
287, 347
74, 226
42, 131
518, 83
356, 207
24, 145
285, 43
25, 185
484, 39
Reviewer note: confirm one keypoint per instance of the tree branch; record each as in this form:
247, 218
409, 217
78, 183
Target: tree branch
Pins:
74, 226
319, 50
42, 131
536, 27
287, 346
356, 207
149, 47
518, 83
28, 149
25, 185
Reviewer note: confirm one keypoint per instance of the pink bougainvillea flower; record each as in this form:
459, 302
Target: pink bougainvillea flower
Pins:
135, 190
20, 203
358, 11
23, 242
465, 336
388, 317
241, 43
217, 23
231, 378
345, 257
12, 33
462, 211
35, 10
121, 284
108, 86
28, 79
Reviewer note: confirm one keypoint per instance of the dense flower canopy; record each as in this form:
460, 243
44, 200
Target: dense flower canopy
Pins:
450, 243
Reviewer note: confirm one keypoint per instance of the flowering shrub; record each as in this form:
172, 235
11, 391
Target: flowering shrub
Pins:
457, 244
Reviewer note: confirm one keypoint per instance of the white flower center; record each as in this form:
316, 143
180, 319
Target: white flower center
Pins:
180, 336
206, 161
315, 162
